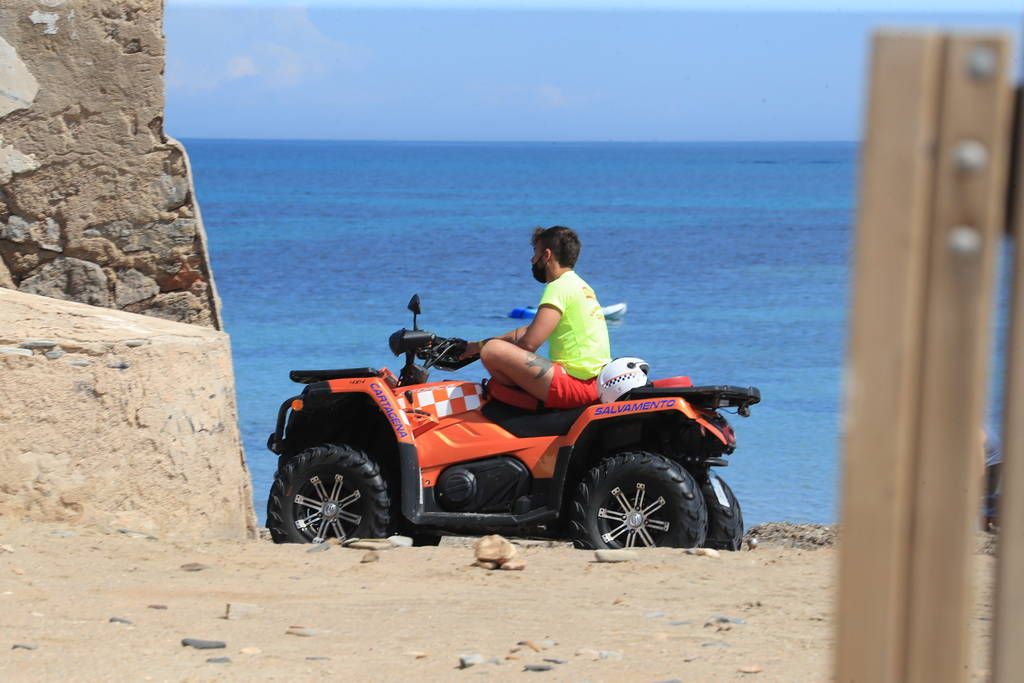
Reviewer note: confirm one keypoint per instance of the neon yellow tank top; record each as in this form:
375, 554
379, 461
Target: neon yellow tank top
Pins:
580, 340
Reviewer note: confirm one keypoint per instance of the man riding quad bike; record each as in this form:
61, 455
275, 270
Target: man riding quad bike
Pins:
365, 454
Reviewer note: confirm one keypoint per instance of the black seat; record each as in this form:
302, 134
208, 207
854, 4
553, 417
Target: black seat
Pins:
310, 376
527, 423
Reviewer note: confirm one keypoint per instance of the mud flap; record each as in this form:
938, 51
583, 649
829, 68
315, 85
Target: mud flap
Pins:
716, 485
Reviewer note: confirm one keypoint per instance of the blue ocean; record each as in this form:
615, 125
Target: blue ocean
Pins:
732, 258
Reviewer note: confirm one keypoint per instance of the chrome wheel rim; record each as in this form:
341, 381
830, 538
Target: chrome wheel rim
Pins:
320, 514
630, 521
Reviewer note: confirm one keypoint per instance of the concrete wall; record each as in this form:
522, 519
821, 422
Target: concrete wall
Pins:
118, 420
96, 203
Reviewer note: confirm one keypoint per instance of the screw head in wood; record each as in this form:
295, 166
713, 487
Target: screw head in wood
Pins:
970, 155
963, 239
981, 63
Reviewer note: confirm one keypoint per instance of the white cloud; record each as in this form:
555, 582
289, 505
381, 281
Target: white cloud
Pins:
278, 48
241, 66
552, 97
287, 67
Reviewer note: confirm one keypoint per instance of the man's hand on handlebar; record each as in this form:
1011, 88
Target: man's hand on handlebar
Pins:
472, 349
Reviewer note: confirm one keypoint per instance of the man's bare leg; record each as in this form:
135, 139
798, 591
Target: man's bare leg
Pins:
515, 366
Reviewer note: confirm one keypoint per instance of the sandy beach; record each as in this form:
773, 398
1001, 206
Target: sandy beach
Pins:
411, 614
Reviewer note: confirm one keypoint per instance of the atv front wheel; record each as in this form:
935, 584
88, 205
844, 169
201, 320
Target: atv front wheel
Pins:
638, 499
725, 520
328, 491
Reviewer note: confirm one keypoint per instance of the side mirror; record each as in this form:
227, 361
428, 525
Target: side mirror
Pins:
414, 304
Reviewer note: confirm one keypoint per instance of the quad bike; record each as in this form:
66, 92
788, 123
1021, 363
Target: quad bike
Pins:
365, 454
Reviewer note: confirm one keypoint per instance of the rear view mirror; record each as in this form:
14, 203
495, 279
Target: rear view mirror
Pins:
414, 304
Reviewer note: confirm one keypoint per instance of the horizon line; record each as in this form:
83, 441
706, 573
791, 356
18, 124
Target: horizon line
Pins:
525, 142
710, 8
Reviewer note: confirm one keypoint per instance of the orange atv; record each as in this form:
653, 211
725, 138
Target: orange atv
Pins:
363, 454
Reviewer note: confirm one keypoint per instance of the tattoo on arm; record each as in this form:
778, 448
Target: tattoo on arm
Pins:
542, 365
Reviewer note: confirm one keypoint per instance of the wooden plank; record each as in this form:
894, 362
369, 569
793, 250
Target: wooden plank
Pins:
883, 370
1008, 630
966, 227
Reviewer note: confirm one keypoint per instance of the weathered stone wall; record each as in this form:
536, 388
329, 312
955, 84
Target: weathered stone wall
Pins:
96, 202
118, 420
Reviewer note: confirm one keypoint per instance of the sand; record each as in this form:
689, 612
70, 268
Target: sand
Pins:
410, 615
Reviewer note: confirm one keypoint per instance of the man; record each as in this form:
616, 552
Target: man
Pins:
569, 317
993, 465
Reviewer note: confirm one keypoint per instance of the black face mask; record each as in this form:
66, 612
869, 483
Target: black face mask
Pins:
538, 273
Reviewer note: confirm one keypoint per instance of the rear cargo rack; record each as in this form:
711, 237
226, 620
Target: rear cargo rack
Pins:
310, 376
718, 396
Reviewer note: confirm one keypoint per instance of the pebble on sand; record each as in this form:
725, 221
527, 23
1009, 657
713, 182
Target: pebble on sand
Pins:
494, 548
240, 610
369, 544
750, 669
219, 660
24, 646
466, 661
200, 644
530, 644
371, 556
38, 344
132, 533
119, 620
250, 651
194, 567
538, 667
615, 555
400, 541
156, 606
300, 631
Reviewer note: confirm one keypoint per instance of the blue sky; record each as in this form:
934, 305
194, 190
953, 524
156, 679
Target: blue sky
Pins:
576, 70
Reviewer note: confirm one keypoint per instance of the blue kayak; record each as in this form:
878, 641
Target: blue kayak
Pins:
613, 312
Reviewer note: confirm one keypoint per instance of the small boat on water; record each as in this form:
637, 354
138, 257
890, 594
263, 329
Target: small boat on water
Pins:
613, 312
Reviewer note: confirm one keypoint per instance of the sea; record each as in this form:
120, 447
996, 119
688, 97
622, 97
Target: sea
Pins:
733, 259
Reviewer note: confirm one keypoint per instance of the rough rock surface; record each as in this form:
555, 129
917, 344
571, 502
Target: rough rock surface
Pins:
96, 202
133, 426
791, 535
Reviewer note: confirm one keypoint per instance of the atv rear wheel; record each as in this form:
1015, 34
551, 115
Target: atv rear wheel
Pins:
725, 520
328, 491
638, 499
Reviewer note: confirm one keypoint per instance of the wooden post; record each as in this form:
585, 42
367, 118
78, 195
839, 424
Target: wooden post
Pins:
932, 189
967, 226
1008, 636
883, 371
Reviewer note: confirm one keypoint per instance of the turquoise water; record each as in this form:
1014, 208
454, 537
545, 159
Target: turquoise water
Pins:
732, 258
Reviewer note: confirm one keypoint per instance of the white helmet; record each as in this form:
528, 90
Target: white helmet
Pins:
620, 376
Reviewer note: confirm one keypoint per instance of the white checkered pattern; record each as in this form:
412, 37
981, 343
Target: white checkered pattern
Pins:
450, 399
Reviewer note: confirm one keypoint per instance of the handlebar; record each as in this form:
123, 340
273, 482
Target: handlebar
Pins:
441, 352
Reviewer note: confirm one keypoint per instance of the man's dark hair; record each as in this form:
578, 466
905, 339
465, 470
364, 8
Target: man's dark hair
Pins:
562, 241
